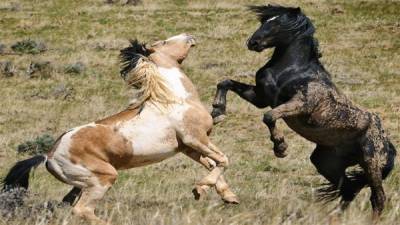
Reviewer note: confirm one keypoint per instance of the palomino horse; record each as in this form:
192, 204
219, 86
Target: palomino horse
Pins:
165, 117
301, 92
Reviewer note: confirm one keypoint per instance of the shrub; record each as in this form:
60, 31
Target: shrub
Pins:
40, 145
75, 68
39, 69
29, 46
7, 69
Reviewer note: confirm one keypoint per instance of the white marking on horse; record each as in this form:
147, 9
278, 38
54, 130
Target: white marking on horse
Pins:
273, 18
173, 77
178, 37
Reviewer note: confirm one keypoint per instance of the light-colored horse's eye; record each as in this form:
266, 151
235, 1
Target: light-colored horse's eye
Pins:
164, 42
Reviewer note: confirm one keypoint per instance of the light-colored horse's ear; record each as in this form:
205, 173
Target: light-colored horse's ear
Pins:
150, 48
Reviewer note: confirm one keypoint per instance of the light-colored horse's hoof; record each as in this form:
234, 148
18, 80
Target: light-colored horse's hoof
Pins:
231, 199
199, 193
218, 119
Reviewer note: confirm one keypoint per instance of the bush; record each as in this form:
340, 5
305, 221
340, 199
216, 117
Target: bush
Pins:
75, 68
7, 69
2, 48
40, 145
39, 69
29, 46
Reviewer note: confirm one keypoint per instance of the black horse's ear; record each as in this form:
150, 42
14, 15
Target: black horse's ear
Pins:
296, 10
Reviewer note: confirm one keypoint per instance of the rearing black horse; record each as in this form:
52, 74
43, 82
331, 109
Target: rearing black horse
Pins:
300, 91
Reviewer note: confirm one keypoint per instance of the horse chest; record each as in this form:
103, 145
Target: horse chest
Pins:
268, 86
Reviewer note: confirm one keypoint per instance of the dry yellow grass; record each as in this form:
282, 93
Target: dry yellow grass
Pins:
360, 42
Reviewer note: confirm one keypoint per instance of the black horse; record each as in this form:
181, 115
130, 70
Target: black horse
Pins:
301, 92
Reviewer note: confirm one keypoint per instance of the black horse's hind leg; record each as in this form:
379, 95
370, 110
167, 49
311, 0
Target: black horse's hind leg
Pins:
373, 173
333, 168
378, 157
70, 198
245, 91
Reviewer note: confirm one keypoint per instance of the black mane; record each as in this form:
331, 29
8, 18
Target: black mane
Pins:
265, 12
297, 21
130, 55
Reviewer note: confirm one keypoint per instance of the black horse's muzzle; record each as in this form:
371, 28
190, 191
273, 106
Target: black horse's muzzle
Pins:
255, 45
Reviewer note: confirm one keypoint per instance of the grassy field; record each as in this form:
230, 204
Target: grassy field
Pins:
360, 43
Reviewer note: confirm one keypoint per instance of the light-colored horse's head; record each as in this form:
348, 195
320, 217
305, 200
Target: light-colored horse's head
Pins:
173, 50
140, 68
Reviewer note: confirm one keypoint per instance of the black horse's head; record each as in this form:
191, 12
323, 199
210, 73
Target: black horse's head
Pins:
279, 26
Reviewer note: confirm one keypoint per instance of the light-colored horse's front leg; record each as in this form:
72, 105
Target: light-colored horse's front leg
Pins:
207, 150
221, 186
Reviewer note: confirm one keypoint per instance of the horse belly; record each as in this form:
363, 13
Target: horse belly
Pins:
327, 136
153, 149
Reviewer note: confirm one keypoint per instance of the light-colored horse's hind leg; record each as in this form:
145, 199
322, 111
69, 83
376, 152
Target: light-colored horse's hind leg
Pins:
98, 185
86, 204
221, 186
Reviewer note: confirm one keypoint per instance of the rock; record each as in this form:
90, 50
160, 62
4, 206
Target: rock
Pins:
29, 46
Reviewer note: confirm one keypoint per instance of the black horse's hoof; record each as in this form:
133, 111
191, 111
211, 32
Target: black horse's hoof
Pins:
218, 119
280, 150
218, 115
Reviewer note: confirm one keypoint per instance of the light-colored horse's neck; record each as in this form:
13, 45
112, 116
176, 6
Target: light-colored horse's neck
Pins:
178, 82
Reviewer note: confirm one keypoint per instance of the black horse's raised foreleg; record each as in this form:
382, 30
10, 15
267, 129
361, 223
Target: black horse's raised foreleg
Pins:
245, 91
291, 108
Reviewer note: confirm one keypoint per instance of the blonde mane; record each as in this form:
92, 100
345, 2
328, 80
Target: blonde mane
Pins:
149, 85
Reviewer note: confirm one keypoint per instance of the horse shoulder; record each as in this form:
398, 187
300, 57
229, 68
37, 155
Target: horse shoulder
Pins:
197, 120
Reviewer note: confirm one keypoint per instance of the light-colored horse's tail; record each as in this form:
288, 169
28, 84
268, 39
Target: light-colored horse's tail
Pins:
18, 176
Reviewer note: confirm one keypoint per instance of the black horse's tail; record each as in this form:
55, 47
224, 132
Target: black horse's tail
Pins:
351, 184
18, 176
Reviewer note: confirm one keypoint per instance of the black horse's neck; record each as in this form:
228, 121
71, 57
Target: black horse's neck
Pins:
299, 52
